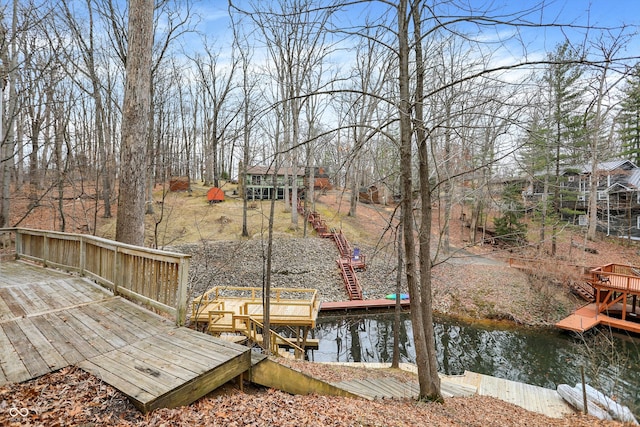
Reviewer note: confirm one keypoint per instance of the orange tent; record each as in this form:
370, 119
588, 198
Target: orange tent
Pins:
215, 195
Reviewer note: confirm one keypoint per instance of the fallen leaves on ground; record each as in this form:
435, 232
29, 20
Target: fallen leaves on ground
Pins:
72, 397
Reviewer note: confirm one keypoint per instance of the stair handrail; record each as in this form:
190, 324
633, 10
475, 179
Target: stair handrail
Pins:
252, 332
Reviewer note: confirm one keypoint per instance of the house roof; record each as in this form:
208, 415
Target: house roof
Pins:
268, 170
634, 178
602, 166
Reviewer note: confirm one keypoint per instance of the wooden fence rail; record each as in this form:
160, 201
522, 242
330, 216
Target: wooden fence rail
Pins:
148, 276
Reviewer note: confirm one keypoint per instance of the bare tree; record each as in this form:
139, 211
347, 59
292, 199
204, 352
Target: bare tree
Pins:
217, 83
135, 124
8, 106
87, 65
294, 32
600, 111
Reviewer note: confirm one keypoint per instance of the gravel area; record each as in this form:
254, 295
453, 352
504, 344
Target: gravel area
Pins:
296, 263
469, 287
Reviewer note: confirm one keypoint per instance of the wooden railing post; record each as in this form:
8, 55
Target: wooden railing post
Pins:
45, 249
116, 270
181, 300
83, 255
19, 243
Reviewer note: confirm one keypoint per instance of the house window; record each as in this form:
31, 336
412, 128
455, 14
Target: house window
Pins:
638, 222
570, 178
583, 221
602, 195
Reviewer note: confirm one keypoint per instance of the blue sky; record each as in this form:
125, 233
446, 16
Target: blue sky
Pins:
580, 12
538, 41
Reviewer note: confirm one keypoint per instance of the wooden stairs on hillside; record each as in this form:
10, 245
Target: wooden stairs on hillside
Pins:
350, 279
351, 259
583, 289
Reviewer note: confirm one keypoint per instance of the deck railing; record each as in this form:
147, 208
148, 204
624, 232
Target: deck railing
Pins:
617, 277
148, 276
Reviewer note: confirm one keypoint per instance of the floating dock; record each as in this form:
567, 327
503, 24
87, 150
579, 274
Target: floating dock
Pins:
366, 304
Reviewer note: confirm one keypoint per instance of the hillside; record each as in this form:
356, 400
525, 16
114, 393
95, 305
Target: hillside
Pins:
473, 282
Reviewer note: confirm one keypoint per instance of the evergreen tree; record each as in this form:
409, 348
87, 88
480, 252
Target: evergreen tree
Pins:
565, 92
509, 229
629, 130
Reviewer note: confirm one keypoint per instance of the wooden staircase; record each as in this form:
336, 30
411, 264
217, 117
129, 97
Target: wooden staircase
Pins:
350, 261
393, 388
584, 290
343, 245
246, 328
351, 283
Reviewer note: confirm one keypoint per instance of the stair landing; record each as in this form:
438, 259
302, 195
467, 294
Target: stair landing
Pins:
49, 320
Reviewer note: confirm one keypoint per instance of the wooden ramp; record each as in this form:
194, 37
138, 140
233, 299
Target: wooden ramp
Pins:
530, 397
533, 398
49, 320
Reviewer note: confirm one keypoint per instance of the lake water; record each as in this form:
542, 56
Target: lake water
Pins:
543, 357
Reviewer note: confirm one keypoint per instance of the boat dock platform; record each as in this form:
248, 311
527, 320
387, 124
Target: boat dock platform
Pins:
365, 304
616, 289
237, 313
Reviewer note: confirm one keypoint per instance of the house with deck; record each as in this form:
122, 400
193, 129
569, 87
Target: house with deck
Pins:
258, 184
618, 195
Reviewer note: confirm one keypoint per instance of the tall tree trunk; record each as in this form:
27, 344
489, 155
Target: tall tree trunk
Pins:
355, 192
60, 166
6, 158
430, 390
135, 124
8, 58
556, 194
428, 386
395, 362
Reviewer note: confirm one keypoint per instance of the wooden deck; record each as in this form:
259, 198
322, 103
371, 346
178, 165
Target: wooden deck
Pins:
532, 398
361, 304
289, 307
582, 320
49, 320
616, 288
587, 317
231, 310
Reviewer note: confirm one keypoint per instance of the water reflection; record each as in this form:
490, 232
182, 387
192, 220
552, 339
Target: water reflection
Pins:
541, 357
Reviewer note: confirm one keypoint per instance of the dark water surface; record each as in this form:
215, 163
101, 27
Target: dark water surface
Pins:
543, 357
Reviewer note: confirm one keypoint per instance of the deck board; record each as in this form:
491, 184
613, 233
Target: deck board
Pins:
586, 318
11, 364
72, 346
27, 352
49, 320
5, 311
43, 346
11, 303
